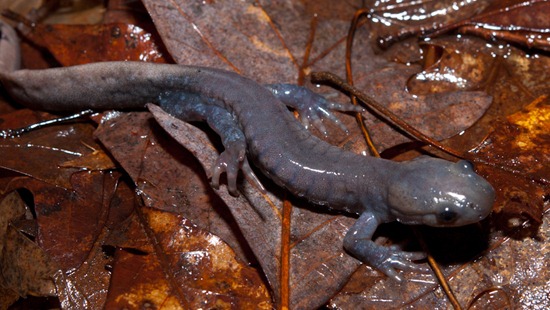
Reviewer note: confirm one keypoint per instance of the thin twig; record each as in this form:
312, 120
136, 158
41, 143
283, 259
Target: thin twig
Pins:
349, 78
327, 77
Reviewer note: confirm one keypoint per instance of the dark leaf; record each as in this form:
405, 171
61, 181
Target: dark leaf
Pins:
25, 267
520, 22
515, 21
70, 221
52, 146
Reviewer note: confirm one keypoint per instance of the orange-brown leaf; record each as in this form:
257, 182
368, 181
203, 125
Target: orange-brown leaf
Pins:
518, 150
165, 261
79, 44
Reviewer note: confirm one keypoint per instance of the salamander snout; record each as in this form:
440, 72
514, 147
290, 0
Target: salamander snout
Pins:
436, 192
473, 195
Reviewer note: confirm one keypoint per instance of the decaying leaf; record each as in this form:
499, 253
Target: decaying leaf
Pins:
81, 224
162, 260
25, 268
318, 262
165, 172
516, 21
97, 160
79, 44
53, 146
519, 152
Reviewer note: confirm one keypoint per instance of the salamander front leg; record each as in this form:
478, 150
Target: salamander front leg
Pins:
312, 107
358, 242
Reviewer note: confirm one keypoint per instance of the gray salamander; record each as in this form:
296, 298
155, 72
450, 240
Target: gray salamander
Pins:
254, 123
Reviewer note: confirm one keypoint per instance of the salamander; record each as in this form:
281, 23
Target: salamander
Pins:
254, 123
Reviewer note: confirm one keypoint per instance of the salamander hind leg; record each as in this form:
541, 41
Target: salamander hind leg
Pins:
230, 161
189, 107
313, 108
358, 241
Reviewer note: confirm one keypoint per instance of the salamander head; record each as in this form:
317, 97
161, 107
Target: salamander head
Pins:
437, 192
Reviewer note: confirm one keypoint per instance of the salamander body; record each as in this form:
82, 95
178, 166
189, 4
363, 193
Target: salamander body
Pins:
255, 124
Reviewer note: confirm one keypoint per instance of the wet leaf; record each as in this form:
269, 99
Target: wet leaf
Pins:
277, 42
515, 21
318, 263
172, 263
518, 22
97, 160
395, 20
69, 221
165, 172
519, 151
180, 186
426, 112
72, 226
53, 146
267, 41
79, 44
511, 76
512, 272
88, 285
468, 63
25, 267
456, 69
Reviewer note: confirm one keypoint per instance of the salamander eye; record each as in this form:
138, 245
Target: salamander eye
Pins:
447, 216
466, 165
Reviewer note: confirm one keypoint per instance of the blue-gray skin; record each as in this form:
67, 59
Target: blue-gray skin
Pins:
254, 123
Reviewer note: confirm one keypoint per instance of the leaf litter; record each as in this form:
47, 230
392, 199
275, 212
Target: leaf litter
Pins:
293, 24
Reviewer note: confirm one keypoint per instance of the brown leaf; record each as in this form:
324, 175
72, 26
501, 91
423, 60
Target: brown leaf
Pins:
519, 151
97, 160
25, 267
70, 221
464, 64
511, 76
88, 285
276, 46
243, 38
516, 21
512, 272
40, 153
179, 266
168, 179
79, 44
396, 20
520, 22
426, 112
164, 171
318, 263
